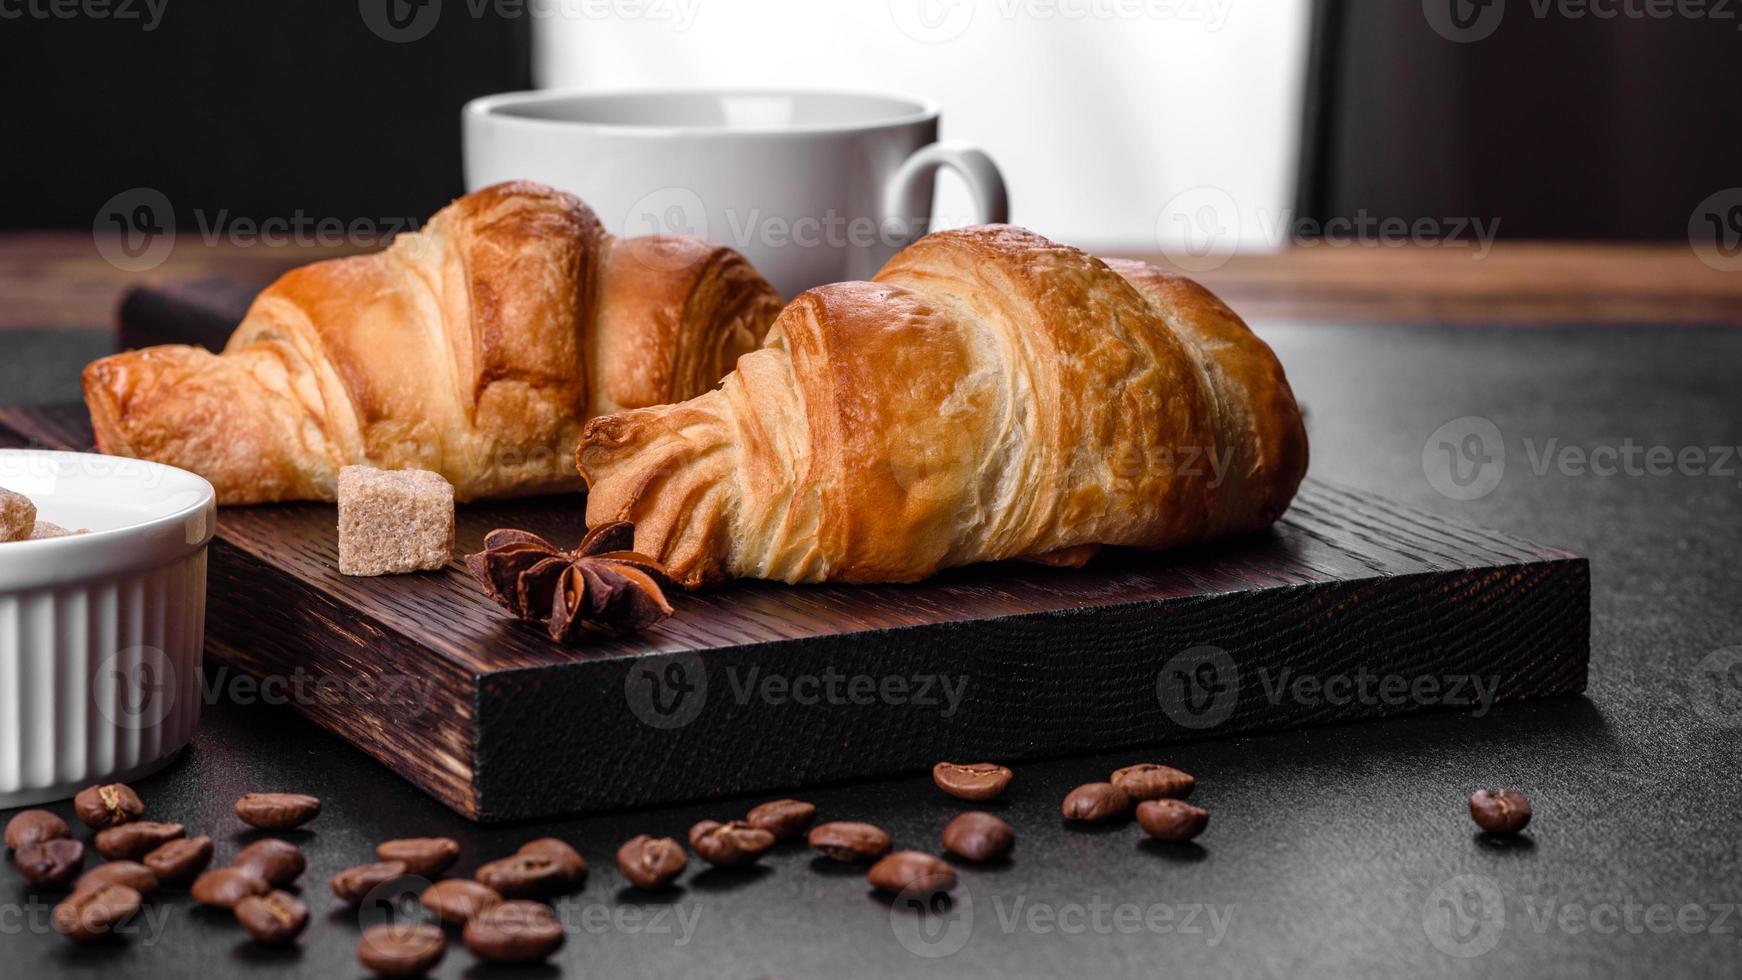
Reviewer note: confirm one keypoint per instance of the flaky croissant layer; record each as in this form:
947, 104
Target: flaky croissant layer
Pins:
475, 348
990, 395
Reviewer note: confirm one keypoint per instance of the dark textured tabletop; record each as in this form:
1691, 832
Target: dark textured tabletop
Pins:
1343, 851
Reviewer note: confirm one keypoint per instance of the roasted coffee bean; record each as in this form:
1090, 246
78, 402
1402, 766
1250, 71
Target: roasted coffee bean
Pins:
651, 863
108, 806
94, 914
733, 844
52, 863
1174, 821
542, 867
279, 862
180, 861
979, 837
978, 781
275, 918
850, 842
277, 811
514, 933
1096, 801
130, 873
1148, 781
423, 856
1500, 811
522, 876
458, 899
132, 841
913, 871
401, 949
568, 860
224, 887
785, 819
34, 827
352, 885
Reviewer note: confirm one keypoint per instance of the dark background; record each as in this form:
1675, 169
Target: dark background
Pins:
1567, 127
261, 107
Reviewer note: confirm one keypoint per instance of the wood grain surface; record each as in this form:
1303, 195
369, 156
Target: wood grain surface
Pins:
1006, 661
58, 278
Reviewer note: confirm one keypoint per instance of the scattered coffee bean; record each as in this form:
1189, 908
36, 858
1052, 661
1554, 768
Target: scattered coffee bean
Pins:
180, 861
1096, 801
514, 933
977, 781
785, 819
850, 842
456, 900
651, 863
34, 827
426, 857
107, 806
94, 914
132, 841
979, 837
733, 844
568, 860
52, 863
1500, 811
1174, 821
275, 918
522, 876
130, 873
401, 949
352, 885
542, 867
913, 871
224, 887
277, 811
278, 861
1148, 781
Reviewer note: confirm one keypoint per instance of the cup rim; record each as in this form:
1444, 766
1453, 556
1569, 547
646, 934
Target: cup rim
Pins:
493, 107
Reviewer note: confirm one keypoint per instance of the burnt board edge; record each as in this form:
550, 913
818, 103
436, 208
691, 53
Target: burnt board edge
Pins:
379, 690
1523, 627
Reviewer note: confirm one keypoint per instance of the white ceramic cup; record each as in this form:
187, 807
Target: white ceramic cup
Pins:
101, 633
812, 187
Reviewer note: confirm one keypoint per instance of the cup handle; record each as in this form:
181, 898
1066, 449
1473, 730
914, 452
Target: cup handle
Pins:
985, 185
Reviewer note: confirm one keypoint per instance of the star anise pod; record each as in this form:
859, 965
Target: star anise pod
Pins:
602, 586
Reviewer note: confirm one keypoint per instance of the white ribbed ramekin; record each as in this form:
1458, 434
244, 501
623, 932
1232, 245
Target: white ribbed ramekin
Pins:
101, 634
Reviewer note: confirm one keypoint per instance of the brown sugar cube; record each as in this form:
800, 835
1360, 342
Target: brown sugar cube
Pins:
394, 521
17, 516
44, 529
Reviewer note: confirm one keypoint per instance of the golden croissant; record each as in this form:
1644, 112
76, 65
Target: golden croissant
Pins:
475, 348
990, 395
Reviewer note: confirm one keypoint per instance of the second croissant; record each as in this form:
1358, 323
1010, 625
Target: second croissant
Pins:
990, 395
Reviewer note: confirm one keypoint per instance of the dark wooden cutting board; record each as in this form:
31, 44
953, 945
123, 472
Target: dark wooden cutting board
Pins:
758, 686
